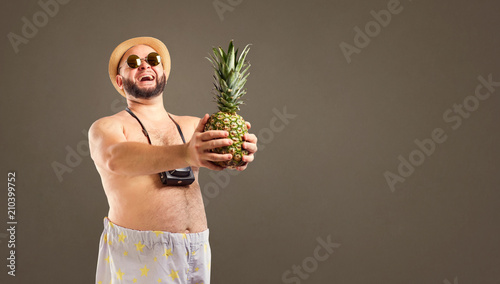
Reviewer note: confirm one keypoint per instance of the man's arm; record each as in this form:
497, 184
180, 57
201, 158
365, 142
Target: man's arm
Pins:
111, 151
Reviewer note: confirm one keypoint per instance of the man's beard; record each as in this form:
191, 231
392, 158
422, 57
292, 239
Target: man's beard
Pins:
144, 93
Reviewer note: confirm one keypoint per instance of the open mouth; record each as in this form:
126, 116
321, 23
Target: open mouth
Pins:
146, 78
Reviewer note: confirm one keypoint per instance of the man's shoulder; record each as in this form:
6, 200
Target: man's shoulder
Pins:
186, 120
108, 122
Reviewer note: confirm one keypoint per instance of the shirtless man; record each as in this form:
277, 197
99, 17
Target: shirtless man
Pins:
153, 232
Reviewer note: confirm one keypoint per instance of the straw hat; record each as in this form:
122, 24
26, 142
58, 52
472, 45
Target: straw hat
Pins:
122, 48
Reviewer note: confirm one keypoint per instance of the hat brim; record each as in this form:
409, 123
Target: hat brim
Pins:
122, 48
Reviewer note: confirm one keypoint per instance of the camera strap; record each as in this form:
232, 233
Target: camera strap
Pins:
146, 132
178, 128
143, 128
175, 177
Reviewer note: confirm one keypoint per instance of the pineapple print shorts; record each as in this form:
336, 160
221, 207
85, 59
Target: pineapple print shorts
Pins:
131, 256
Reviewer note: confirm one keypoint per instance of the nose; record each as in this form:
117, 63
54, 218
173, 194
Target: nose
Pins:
144, 64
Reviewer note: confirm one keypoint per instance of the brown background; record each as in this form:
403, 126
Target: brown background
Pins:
320, 175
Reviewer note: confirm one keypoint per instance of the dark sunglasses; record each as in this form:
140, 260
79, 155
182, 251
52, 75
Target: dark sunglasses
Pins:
134, 61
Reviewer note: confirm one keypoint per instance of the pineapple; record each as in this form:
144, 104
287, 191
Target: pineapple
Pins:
230, 78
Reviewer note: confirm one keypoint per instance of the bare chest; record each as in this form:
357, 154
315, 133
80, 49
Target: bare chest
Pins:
160, 135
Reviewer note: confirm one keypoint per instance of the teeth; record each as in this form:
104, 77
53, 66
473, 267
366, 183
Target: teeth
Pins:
146, 77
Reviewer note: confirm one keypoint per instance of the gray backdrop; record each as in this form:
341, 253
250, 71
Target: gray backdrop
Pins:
377, 120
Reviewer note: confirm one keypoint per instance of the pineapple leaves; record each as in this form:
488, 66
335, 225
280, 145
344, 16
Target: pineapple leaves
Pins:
230, 56
244, 53
241, 60
229, 79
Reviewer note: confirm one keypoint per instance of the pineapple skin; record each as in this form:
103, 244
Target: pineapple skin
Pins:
236, 126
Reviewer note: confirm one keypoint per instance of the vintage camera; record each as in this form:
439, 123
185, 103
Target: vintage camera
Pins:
183, 176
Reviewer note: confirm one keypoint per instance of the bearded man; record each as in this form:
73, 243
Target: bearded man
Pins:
149, 159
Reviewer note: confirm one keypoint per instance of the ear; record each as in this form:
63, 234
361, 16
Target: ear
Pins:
119, 81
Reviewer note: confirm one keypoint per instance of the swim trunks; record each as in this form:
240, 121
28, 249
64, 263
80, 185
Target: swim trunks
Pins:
132, 256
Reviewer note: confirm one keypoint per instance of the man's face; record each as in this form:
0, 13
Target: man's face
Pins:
144, 82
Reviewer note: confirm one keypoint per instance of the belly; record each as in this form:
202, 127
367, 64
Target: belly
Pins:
143, 203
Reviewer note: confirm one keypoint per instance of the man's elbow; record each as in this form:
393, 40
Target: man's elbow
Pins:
113, 161
112, 166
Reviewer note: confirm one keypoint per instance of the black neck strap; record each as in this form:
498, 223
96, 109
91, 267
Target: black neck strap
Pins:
146, 132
